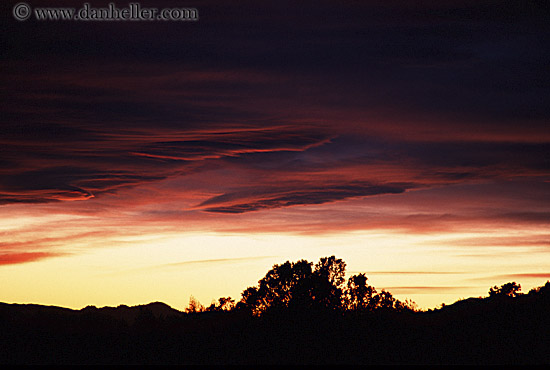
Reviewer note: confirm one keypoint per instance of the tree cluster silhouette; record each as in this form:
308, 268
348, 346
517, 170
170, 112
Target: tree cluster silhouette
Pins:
300, 286
509, 290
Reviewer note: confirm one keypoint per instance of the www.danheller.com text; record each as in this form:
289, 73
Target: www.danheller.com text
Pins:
133, 12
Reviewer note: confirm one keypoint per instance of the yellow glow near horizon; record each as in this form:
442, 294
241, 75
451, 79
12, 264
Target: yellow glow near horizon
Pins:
171, 268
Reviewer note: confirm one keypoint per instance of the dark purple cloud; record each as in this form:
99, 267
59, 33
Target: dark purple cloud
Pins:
316, 101
254, 200
65, 170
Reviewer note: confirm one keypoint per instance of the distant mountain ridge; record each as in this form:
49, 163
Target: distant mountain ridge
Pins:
129, 314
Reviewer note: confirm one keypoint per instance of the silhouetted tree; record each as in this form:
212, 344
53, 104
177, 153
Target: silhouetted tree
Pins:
408, 305
194, 306
384, 300
359, 295
545, 289
277, 287
509, 290
224, 304
297, 286
326, 284
250, 301
331, 269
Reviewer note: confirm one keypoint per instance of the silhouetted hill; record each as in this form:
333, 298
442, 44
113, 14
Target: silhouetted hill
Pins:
124, 313
493, 330
128, 314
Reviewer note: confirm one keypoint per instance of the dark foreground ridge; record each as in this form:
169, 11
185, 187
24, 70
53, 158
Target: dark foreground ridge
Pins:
288, 319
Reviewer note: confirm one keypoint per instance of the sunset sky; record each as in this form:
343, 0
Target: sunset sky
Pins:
147, 161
